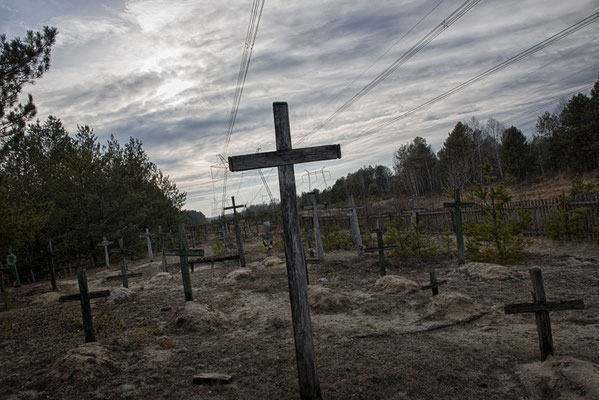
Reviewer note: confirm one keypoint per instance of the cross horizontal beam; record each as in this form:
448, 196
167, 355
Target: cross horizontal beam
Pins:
433, 285
118, 277
90, 295
519, 308
185, 253
284, 157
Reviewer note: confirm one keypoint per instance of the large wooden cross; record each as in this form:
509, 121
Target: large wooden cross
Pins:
381, 250
84, 296
124, 276
284, 158
105, 243
316, 225
237, 231
459, 232
355, 225
183, 253
541, 308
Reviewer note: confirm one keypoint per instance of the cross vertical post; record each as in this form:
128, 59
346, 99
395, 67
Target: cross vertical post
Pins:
183, 253
354, 223
284, 158
237, 231
434, 285
51, 267
11, 262
459, 232
162, 245
148, 237
316, 226
123, 264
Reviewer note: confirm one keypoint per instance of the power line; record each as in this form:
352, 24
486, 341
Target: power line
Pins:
418, 47
531, 50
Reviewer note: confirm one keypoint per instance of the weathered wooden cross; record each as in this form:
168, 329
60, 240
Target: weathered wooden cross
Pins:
413, 211
183, 253
284, 158
381, 249
84, 296
459, 232
51, 267
434, 285
355, 225
541, 308
162, 237
124, 277
237, 231
316, 225
149, 237
105, 243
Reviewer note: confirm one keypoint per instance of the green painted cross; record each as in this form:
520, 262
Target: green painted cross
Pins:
381, 249
84, 296
459, 232
183, 253
124, 276
237, 231
434, 285
541, 308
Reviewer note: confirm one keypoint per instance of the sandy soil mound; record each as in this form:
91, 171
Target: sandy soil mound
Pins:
161, 278
83, 364
121, 295
489, 271
396, 284
50, 297
196, 317
272, 261
255, 265
324, 300
561, 378
102, 274
240, 274
452, 306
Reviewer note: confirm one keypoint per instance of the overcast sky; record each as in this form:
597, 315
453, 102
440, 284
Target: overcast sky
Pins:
165, 72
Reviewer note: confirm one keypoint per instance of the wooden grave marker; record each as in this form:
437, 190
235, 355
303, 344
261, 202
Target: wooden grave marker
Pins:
354, 223
413, 212
541, 308
162, 237
284, 159
84, 296
237, 231
11, 263
459, 232
381, 249
183, 253
124, 276
51, 267
316, 226
434, 285
105, 243
149, 237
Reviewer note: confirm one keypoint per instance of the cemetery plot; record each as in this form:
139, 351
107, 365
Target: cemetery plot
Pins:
375, 337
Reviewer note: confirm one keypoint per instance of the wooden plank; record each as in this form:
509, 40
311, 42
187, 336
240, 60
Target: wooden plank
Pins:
284, 157
519, 308
120, 277
190, 253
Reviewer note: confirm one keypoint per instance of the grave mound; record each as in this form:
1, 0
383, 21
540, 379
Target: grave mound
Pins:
240, 274
489, 271
103, 274
196, 317
255, 265
395, 284
453, 306
272, 261
121, 295
561, 378
324, 300
44, 298
161, 278
83, 364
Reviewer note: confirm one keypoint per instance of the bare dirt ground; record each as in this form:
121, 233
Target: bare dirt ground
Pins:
375, 338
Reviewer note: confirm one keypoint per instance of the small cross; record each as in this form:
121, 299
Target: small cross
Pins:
51, 267
434, 285
149, 237
355, 225
284, 158
162, 237
237, 231
316, 225
123, 276
105, 243
183, 253
84, 296
11, 262
459, 233
413, 212
381, 249
541, 308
